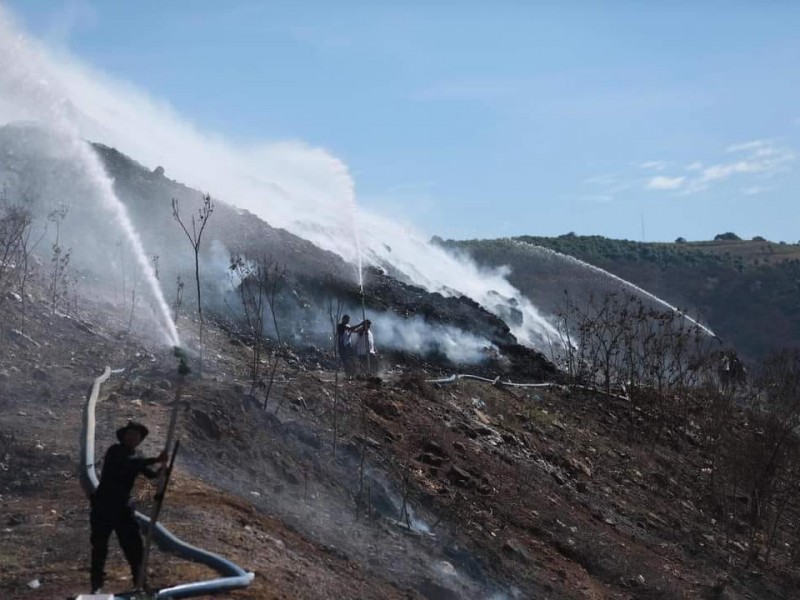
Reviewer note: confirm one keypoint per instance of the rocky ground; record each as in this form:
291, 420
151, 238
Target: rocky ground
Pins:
508, 493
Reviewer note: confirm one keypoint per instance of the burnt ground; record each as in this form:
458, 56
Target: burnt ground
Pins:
512, 493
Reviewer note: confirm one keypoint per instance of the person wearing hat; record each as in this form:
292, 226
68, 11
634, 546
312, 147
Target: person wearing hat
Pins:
111, 506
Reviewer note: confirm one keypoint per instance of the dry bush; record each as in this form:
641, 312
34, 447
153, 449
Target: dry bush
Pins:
655, 358
676, 381
15, 225
756, 466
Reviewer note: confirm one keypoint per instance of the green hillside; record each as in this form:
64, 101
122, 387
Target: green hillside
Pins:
748, 292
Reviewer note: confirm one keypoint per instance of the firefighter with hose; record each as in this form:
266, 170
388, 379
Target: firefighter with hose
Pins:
111, 506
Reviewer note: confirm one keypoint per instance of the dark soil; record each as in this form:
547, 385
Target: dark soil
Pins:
509, 493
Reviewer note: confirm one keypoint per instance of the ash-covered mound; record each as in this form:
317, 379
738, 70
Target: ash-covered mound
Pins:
317, 286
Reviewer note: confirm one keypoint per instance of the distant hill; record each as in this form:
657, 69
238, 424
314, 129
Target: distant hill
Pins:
748, 292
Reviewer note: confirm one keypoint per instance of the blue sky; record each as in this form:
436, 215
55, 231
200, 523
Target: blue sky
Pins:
484, 119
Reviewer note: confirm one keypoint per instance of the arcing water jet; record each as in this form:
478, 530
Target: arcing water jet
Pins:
113, 204
26, 89
293, 186
620, 280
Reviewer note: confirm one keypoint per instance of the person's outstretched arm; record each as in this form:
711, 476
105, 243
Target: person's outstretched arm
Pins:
146, 462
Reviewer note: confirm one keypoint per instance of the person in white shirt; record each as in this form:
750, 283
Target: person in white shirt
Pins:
365, 348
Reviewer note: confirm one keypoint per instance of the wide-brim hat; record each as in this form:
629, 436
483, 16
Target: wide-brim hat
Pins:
143, 431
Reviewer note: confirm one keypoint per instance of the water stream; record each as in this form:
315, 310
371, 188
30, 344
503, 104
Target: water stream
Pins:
104, 184
27, 93
625, 283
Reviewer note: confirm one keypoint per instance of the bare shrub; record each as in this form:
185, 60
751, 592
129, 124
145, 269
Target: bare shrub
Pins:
15, 226
654, 358
194, 233
58, 286
757, 468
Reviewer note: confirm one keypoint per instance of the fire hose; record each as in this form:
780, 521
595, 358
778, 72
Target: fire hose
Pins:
232, 576
496, 381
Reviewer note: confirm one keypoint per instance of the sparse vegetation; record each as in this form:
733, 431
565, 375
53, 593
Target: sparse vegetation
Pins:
670, 374
15, 227
194, 233
653, 474
59, 263
251, 280
178, 301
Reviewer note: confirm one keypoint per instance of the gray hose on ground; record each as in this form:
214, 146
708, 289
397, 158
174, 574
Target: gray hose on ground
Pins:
233, 576
495, 381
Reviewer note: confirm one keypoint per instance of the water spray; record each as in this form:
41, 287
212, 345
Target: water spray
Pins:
25, 85
360, 266
363, 321
315, 188
625, 283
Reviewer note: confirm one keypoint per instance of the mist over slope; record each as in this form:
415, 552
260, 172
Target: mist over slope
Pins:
35, 172
303, 189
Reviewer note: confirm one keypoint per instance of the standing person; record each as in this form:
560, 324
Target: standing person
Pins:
365, 348
343, 332
112, 509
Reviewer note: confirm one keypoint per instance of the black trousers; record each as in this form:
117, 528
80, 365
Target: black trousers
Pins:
104, 520
347, 359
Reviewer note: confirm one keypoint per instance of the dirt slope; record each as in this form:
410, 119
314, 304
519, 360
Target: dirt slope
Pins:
512, 493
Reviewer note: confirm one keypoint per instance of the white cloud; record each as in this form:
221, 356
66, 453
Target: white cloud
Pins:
724, 171
750, 163
660, 182
747, 146
761, 158
654, 165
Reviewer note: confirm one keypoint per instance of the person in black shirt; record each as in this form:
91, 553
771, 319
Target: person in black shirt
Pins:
112, 509
343, 346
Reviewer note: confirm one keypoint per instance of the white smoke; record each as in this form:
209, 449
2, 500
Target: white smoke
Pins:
289, 184
390, 331
417, 336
